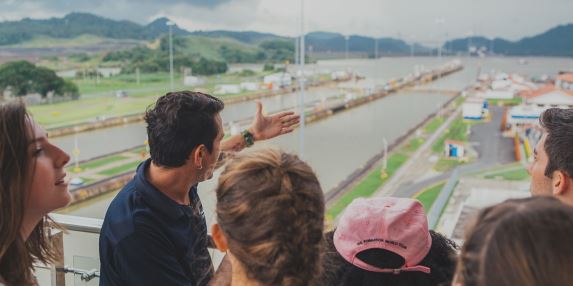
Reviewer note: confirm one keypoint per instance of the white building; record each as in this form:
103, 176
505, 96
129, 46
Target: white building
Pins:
339, 75
474, 108
565, 81
190, 80
227, 89
550, 96
278, 80
524, 114
249, 86
506, 87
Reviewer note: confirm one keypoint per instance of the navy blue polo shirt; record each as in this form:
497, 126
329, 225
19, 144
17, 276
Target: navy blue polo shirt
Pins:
149, 239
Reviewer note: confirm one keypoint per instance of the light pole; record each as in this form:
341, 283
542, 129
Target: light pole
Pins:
440, 21
376, 48
383, 172
346, 54
170, 25
301, 81
412, 43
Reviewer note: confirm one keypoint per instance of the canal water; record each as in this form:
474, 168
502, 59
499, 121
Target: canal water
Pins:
338, 145
334, 147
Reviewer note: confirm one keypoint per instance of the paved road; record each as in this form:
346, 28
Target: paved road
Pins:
492, 148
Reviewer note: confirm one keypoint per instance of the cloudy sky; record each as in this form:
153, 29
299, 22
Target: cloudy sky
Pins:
410, 19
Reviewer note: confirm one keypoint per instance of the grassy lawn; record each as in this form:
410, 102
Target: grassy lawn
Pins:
505, 102
101, 162
429, 195
458, 131
368, 186
120, 169
413, 145
434, 124
138, 150
444, 165
459, 100
510, 175
71, 112
139, 97
87, 181
124, 82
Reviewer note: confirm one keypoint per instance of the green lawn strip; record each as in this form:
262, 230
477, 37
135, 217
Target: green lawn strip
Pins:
510, 175
444, 207
87, 181
457, 131
120, 169
434, 124
499, 168
139, 150
368, 186
444, 165
506, 102
101, 162
412, 145
429, 195
71, 112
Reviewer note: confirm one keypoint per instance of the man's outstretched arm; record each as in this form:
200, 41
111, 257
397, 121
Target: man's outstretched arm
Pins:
264, 127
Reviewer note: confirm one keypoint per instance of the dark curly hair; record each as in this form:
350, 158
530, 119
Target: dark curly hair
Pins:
179, 122
270, 208
558, 123
440, 259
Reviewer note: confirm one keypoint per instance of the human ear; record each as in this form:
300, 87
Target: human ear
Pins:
560, 183
219, 238
198, 154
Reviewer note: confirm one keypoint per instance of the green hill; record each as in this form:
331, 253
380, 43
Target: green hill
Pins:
557, 41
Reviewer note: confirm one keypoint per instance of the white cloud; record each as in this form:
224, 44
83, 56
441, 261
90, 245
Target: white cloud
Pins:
412, 19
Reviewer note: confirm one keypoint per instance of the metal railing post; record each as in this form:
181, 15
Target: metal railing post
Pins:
58, 277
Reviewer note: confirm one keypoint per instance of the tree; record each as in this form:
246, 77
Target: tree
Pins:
24, 78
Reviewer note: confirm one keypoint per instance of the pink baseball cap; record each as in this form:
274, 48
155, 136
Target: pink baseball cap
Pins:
398, 225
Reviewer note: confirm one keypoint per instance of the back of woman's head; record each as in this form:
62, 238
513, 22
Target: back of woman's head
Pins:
440, 259
519, 242
270, 207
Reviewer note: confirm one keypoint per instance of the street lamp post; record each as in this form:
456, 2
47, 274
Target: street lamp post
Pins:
170, 25
301, 81
346, 54
376, 48
383, 171
440, 21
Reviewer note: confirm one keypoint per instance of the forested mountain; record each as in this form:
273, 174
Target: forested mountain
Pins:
557, 41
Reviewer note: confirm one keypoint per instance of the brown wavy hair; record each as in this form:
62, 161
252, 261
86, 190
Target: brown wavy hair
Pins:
270, 207
16, 255
522, 242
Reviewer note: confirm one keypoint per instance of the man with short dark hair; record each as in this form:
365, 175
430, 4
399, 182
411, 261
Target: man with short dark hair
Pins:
154, 231
552, 168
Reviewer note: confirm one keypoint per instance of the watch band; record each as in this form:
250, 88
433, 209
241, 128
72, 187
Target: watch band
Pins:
248, 136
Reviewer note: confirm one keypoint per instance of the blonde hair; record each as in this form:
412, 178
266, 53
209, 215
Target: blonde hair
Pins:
270, 207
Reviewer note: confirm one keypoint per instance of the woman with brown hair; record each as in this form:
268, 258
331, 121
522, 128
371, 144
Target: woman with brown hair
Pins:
523, 242
270, 214
31, 185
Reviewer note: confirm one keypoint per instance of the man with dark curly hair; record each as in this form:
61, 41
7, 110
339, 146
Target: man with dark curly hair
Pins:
154, 232
552, 168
